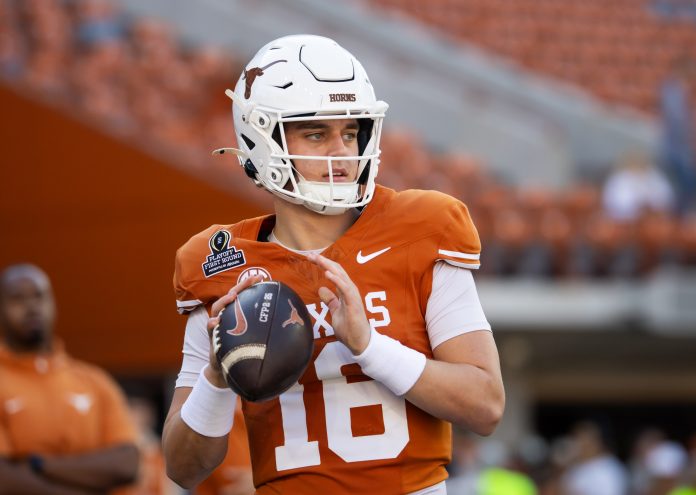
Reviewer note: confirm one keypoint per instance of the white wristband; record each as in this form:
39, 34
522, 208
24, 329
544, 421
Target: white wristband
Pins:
389, 361
209, 410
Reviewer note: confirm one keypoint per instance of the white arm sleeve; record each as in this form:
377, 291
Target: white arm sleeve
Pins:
453, 306
196, 348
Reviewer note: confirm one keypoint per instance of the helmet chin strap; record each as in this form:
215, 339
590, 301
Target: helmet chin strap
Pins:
323, 191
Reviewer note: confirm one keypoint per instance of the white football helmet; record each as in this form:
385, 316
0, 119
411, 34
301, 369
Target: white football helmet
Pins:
302, 78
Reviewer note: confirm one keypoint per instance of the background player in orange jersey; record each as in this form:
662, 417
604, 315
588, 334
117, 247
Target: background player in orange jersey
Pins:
64, 426
402, 347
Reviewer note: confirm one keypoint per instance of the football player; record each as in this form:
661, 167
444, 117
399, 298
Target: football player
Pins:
402, 346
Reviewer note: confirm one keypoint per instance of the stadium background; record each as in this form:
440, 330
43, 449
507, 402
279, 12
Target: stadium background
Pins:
521, 108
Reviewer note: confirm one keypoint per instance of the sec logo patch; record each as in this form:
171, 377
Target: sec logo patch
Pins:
254, 270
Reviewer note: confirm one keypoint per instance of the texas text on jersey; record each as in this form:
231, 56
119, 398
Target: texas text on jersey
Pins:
337, 430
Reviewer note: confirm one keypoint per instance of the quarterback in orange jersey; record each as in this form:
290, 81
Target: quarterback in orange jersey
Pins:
402, 347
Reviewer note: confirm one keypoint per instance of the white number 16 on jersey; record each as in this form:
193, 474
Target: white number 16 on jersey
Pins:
339, 397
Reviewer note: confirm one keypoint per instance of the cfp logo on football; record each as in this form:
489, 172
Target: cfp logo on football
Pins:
265, 307
252, 271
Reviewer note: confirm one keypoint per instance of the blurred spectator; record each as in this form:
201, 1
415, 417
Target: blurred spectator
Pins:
594, 469
644, 442
64, 424
687, 486
465, 467
486, 467
679, 150
501, 481
561, 454
665, 463
533, 457
685, 490
637, 185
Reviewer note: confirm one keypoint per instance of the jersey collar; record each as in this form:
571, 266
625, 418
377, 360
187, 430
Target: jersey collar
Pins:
39, 362
258, 228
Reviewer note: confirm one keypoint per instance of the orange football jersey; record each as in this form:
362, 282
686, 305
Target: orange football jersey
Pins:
52, 404
337, 430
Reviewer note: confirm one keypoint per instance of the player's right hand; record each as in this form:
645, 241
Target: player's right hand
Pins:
213, 372
345, 304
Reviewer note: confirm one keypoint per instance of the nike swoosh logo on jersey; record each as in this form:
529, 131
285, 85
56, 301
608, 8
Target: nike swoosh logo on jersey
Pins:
364, 259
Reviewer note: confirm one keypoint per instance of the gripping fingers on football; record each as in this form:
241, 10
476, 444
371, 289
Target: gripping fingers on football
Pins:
214, 319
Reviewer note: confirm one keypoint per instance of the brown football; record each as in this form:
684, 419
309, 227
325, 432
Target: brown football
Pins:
264, 341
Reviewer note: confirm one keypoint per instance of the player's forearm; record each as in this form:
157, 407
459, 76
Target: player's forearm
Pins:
189, 456
461, 393
100, 470
18, 479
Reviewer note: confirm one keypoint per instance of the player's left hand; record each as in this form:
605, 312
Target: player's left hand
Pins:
346, 306
214, 370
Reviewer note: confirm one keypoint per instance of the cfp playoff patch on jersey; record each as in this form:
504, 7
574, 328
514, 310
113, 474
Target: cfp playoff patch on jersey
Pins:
222, 256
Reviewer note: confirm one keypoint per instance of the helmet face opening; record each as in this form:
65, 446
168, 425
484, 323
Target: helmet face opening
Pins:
300, 79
